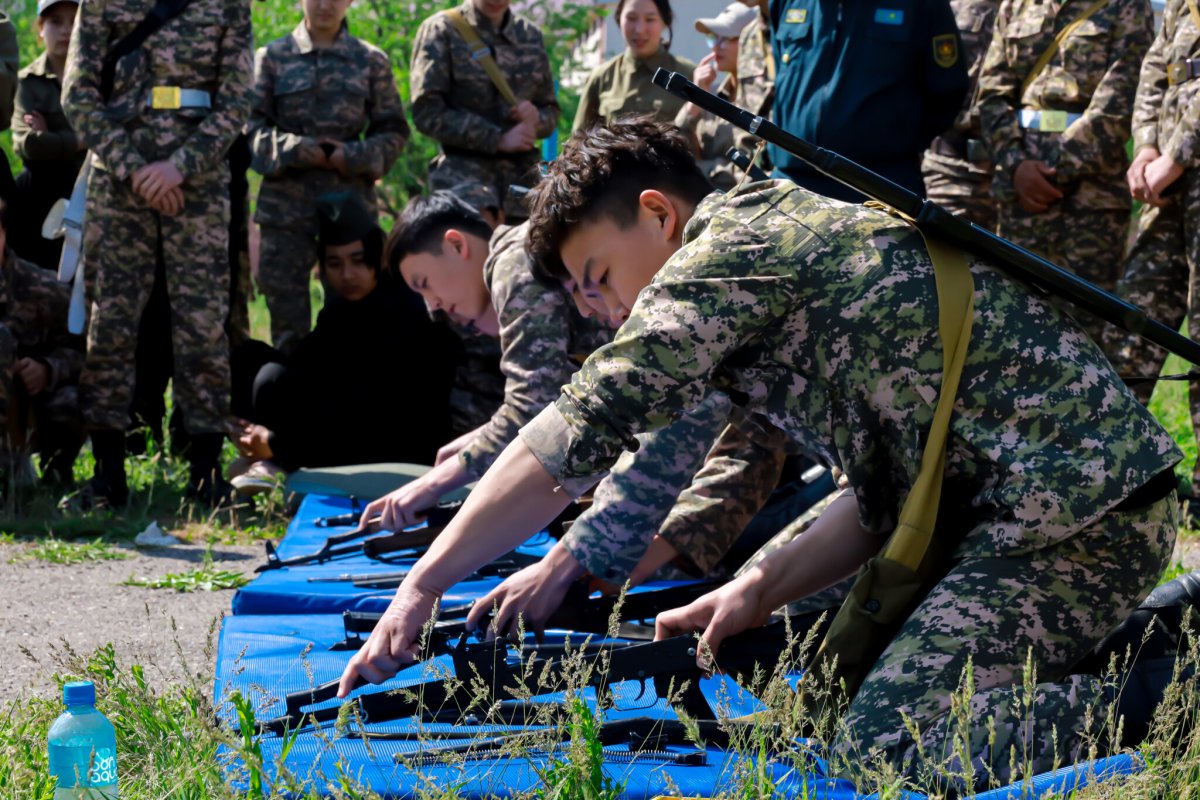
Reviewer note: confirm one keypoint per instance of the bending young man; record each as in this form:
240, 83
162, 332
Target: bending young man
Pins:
819, 319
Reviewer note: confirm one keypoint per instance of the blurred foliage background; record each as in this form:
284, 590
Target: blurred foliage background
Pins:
391, 25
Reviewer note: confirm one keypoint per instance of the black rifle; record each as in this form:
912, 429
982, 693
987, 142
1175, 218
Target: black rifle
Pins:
579, 612
934, 220
502, 567
670, 664
437, 518
746, 164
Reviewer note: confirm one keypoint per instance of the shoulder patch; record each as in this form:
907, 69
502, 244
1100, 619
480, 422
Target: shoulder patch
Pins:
796, 16
945, 50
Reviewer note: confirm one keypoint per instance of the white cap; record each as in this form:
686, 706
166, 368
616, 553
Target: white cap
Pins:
44, 5
728, 23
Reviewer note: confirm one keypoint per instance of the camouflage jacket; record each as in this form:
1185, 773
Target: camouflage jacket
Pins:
756, 87
712, 137
345, 92
543, 340
1094, 73
622, 85
818, 318
1167, 117
454, 100
207, 47
33, 307
40, 90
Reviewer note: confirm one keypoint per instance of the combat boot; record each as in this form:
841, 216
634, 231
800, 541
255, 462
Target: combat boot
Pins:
205, 483
108, 487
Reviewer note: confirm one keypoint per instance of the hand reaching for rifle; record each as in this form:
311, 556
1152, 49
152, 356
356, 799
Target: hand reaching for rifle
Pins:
453, 448
534, 594
395, 640
402, 507
733, 608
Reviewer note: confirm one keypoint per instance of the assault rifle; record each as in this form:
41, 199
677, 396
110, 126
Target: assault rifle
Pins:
436, 518
579, 612
669, 664
936, 221
501, 567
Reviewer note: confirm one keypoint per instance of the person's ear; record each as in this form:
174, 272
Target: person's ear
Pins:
654, 204
453, 241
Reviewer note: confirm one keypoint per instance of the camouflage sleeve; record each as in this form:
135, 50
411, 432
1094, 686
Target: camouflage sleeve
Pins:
631, 503
589, 103
51, 299
535, 358
31, 145
1089, 146
683, 324
10, 63
432, 82
944, 81
999, 102
387, 131
84, 106
733, 485
271, 150
206, 145
1183, 145
1152, 85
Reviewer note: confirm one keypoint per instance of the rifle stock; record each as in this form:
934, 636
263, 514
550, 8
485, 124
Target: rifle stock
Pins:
934, 220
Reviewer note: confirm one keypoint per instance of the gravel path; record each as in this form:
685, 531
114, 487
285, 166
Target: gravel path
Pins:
86, 605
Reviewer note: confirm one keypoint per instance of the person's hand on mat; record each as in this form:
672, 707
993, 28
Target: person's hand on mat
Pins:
395, 640
730, 609
255, 442
407, 505
534, 593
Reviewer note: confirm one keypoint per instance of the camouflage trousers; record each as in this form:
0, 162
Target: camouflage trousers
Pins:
121, 245
960, 187
483, 181
1088, 243
1047, 608
1161, 277
285, 264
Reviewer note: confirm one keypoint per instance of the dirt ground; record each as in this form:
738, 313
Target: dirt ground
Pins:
42, 604
86, 605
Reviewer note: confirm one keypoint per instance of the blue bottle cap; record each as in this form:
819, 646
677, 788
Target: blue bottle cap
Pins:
79, 693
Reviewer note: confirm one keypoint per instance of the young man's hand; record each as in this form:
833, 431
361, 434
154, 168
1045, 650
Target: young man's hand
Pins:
526, 112
394, 642
1160, 174
152, 180
336, 160
312, 155
255, 442
34, 375
453, 448
403, 507
733, 608
520, 138
1035, 192
534, 594
1135, 176
170, 202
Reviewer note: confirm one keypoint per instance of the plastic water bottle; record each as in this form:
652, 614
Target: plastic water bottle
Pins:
83, 748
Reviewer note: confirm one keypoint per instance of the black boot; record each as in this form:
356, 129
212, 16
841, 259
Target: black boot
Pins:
1141, 693
108, 488
205, 482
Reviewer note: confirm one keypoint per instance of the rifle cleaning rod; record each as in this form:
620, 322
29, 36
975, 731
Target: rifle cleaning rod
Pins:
937, 221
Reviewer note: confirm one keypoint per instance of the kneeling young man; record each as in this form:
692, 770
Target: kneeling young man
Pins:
820, 319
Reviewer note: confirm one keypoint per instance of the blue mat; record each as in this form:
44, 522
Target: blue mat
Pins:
290, 590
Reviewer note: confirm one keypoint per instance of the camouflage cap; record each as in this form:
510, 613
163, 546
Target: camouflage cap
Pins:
343, 219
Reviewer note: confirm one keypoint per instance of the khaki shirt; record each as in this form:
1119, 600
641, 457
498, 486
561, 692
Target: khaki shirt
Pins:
622, 86
40, 90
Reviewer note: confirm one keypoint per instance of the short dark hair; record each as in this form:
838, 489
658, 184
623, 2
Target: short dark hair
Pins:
601, 173
664, 11
425, 221
372, 244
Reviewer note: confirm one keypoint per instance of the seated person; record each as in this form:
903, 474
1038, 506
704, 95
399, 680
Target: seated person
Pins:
820, 320
39, 367
329, 402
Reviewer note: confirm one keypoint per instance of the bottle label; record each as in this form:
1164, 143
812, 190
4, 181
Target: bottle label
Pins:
103, 771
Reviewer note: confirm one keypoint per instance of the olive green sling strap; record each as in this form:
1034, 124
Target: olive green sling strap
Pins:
1195, 12
1062, 36
483, 54
893, 582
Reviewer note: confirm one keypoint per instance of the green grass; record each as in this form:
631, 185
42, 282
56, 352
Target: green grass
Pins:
204, 578
57, 551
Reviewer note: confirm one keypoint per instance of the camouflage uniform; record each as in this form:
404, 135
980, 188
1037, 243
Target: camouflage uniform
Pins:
478, 388
302, 93
206, 47
543, 340
1161, 272
956, 168
33, 324
756, 82
454, 102
1095, 74
712, 137
765, 268
622, 85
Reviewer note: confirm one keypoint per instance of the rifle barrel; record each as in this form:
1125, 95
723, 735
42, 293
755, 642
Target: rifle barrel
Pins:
937, 221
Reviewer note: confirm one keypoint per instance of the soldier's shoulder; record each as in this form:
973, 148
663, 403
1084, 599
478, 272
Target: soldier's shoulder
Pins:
36, 69
525, 29
435, 24
282, 47
371, 52
508, 264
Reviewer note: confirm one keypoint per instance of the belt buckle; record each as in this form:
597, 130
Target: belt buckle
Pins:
166, 98
1053, 122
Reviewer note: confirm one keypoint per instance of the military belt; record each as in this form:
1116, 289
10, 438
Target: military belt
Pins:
169, 98
1048, 121
1183, 71
955, 145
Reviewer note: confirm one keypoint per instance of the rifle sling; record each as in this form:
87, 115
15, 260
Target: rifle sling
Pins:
1044, 59
482, 54
160, 14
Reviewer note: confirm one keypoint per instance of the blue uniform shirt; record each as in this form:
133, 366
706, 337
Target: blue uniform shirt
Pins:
874, 80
